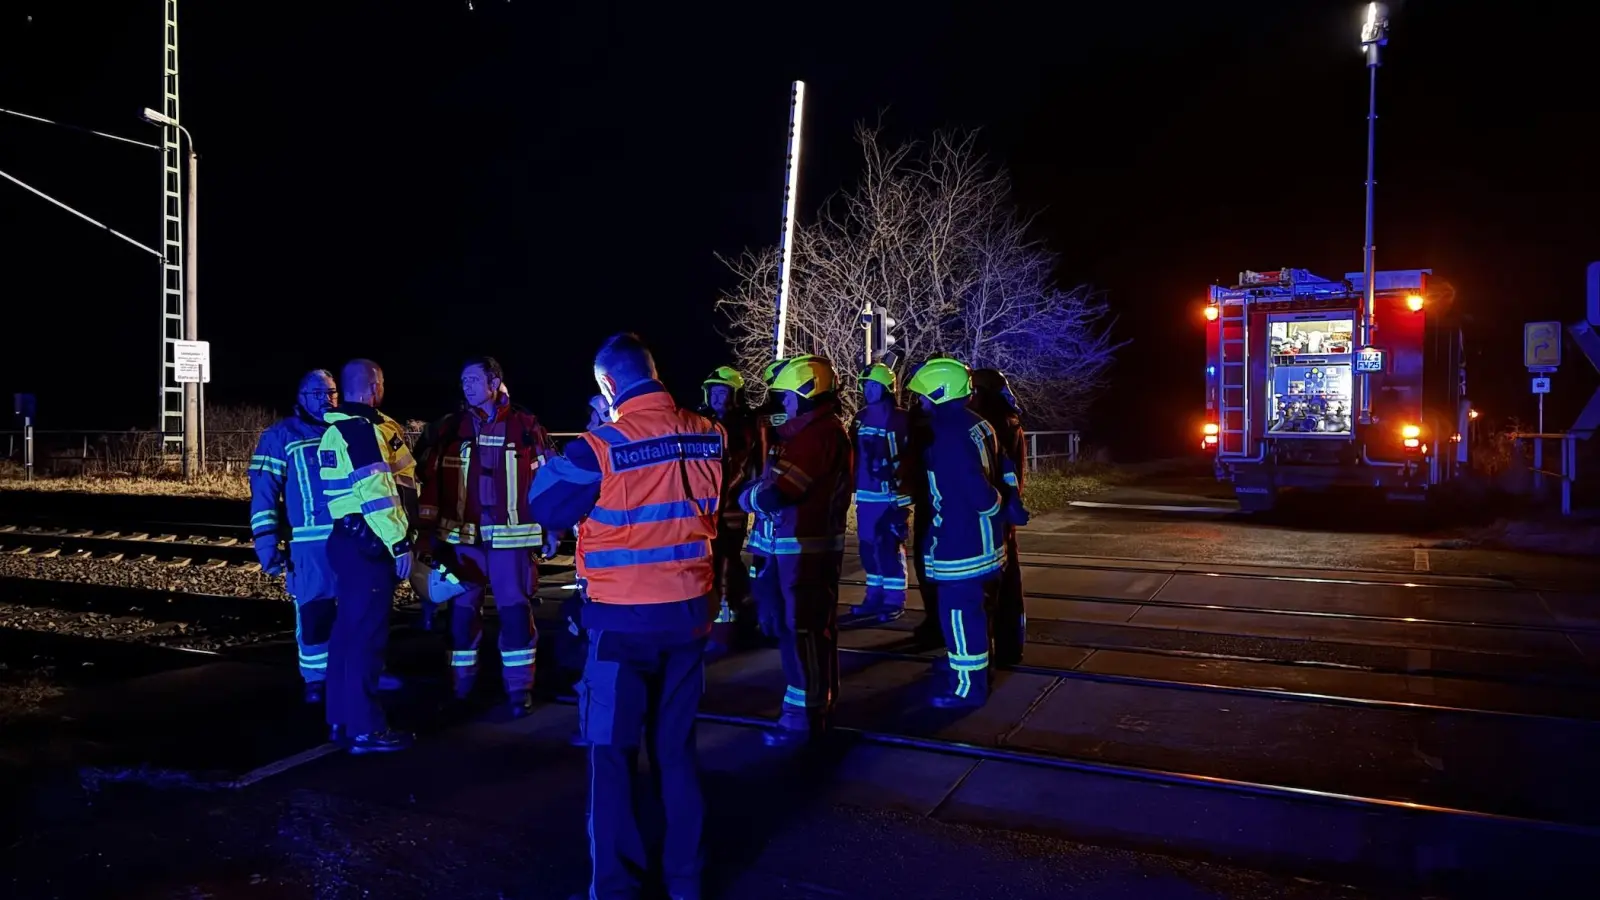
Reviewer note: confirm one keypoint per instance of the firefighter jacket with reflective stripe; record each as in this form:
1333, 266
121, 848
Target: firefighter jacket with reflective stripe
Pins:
367, 470
881, 434
1008, 432
286, 498
648, 538
803, 498
964, 468
475, 480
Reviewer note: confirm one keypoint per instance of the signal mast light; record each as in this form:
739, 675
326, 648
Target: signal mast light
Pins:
1414, 303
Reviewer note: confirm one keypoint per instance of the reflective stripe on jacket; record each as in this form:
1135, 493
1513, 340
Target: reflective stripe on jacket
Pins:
964, 469
285, 491
482, 497
648, 538
802, 500
881, 434
367, 470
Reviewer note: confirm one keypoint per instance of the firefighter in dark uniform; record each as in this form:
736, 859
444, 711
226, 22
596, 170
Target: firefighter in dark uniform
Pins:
645, 486
724, 401
880, 433
964, 550
801, 503
369, 480
992, 398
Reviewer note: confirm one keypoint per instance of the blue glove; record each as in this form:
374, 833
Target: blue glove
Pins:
272, 560
1016, 513
551, 543
747, 497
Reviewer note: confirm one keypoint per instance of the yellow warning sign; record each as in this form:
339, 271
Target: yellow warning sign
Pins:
1541, 345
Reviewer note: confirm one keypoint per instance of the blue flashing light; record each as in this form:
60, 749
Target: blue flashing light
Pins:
1211, 371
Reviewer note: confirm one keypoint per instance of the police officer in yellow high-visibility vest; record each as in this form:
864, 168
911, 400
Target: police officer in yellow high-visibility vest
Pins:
368, 476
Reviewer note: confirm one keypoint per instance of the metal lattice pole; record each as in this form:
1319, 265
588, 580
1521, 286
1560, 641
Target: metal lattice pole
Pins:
174, 424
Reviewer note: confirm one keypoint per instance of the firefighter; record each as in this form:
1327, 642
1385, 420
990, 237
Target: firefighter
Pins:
964, 554
993, 400
645, 487
758, 544
283, 503
723, 395
801, 502
369, 480
475, 524
881, 434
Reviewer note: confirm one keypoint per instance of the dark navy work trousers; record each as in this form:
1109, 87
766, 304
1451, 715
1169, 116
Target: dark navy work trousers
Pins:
364, 581
643, 689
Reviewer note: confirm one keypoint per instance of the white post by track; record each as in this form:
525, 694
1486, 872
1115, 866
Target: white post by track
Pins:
791, 186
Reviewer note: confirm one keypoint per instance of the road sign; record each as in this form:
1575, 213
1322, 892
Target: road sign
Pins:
1541, 385
192, 361
1588, 341
1541, 344
25, 406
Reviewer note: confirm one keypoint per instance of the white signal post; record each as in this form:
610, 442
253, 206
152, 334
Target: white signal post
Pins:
791, 186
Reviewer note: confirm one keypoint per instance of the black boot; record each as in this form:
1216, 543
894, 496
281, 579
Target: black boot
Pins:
315, 691
386, 741
520, 704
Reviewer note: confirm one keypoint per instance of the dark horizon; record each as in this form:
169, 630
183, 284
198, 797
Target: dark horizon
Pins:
419, 184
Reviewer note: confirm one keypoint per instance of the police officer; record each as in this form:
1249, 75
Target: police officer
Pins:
645, 486
881, 436
992, 398
475, 525
964, 553
286, 502
723, 395
368, 477
801, 502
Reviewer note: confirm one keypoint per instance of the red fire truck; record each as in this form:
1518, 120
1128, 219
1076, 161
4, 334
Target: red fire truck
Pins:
1308, 390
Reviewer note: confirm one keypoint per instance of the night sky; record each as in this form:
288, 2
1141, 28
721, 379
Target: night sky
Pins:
417, 182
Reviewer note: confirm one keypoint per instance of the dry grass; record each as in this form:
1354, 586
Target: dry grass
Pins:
226, 486
1052, 490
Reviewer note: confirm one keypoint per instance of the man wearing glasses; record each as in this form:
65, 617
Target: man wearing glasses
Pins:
287, 506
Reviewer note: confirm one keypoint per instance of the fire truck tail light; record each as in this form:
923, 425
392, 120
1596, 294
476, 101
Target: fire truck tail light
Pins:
1414, 303
1211, 313
1410, 432
1412, 443
1211, 428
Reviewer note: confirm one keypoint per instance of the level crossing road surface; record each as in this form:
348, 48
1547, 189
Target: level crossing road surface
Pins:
1286, 720
497, 811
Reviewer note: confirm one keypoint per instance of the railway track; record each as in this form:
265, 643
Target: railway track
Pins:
177, 544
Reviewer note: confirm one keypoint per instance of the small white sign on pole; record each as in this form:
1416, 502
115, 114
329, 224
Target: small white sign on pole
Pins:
192, 361
1541, 385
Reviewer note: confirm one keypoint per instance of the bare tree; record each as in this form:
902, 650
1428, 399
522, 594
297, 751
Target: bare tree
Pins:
931, 233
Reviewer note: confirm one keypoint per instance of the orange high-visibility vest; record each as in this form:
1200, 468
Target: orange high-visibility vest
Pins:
648, 538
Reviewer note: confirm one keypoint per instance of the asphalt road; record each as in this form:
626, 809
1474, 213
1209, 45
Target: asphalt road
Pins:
1187, 516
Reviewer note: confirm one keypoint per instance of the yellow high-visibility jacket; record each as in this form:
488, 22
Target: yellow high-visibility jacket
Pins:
368, 470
